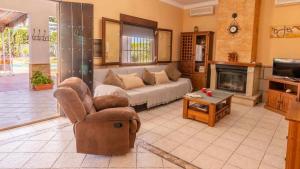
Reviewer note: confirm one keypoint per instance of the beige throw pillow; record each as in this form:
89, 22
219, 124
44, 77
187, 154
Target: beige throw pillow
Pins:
148, 77
131, 81
113, 79
172, 72
161, 77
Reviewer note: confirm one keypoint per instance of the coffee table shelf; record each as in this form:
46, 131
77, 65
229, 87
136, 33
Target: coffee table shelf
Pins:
218, 106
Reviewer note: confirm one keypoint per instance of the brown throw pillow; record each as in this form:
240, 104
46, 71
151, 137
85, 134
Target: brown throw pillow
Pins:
161, 77
148, 77
172, 72
113, 79
131, 81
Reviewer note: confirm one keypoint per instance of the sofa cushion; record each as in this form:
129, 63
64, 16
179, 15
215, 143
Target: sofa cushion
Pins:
148, 77
131, 81
172, 72
161, 77
113, 79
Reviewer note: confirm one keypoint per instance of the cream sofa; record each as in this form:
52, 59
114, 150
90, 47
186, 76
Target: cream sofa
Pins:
149, 95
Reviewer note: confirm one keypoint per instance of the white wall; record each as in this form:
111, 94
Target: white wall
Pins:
38, 12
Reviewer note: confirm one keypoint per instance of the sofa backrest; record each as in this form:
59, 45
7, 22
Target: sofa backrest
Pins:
99, 74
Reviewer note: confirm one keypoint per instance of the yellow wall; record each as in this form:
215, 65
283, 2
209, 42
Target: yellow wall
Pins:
269, 48
270, 15
167, 16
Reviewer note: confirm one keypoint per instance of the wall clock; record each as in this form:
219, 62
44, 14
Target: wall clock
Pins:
234, 26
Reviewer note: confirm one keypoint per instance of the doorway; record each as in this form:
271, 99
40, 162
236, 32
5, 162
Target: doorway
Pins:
19, 103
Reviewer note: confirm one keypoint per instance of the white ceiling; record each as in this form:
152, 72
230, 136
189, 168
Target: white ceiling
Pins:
187, 4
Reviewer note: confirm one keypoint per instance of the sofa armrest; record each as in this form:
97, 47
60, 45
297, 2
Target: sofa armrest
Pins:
112, 114
109, 101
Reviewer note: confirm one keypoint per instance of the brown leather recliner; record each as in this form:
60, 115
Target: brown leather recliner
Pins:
103, 125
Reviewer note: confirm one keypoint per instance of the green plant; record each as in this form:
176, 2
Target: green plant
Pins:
38, 78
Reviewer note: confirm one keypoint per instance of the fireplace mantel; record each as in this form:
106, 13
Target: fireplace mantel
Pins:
236, 63
252, 93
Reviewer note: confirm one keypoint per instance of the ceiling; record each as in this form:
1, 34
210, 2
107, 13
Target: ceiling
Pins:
9, 18
187, 4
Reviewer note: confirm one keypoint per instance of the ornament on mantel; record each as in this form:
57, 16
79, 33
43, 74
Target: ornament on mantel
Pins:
196, 29
233, 57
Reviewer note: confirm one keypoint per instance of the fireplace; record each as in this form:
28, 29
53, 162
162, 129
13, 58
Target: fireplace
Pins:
232, 78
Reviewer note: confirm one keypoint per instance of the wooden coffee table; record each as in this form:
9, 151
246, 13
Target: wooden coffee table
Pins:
207, 109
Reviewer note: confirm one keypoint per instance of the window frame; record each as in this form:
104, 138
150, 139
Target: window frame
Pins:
104, 20
140, 22
171, 47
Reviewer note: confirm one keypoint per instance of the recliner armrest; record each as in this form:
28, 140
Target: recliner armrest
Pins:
112, 114
109, 101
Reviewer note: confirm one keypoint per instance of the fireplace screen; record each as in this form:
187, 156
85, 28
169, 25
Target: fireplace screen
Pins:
232, 79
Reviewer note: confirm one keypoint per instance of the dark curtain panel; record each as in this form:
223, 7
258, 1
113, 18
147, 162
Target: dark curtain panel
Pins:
76, 41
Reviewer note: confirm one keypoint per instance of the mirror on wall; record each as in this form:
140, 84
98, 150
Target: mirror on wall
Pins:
164, 45
111, 41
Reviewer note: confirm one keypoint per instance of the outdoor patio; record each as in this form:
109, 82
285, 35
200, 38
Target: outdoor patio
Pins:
20, 105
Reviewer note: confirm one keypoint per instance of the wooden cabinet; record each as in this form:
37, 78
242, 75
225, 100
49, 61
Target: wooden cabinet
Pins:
293, 145
195, 53
277, 99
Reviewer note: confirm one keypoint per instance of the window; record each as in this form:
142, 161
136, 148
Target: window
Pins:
133, 40
138, 45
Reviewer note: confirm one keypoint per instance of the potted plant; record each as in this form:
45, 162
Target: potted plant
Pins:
39, 81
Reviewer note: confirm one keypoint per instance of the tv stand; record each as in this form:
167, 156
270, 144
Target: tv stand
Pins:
277, 97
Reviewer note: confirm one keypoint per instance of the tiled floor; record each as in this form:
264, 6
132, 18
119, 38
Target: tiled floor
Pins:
247, 138
19, 104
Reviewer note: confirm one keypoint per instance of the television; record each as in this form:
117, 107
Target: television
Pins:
288, 68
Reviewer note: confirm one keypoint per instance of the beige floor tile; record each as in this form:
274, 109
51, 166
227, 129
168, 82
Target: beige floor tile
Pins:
189, 131
196, 125
30, 146
172, 125
96, 161
218, 152
63, 135
206, 162
15, 160
243, 162
250, 152
229, 166
55, 146
178, 137
10, 147
217, 131
196, 144
258, 144
148, 160
42, 160
124, 161
150, 137
3, 155
166, 144
43, 136
69, 160
161, 130
226, 143
148, 125
71, 148
185, 153
233, 136
276, 150
205, 136
264, 166
275, 161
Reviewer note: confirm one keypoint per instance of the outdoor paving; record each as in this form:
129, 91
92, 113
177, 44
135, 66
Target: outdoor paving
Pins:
20, 105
